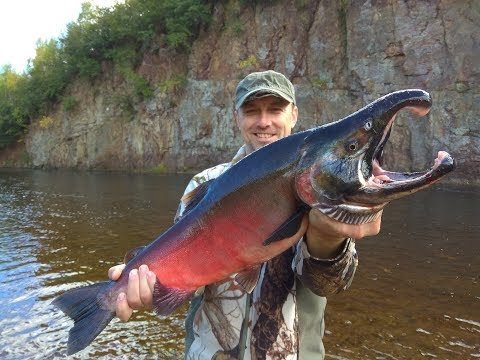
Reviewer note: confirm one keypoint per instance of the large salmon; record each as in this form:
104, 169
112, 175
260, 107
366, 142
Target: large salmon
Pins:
245, 216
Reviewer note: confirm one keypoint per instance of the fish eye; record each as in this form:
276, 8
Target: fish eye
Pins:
368, 125
352, 146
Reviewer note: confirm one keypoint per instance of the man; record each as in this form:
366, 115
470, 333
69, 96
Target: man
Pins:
282, 318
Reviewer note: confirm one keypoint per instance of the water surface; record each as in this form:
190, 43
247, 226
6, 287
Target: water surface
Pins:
416, 294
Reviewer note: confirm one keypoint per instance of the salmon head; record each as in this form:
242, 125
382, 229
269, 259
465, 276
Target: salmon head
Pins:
340, 172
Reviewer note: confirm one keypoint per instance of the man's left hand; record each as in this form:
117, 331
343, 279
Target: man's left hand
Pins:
326, 235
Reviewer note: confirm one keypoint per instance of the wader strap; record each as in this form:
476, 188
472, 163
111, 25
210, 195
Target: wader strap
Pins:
242, 344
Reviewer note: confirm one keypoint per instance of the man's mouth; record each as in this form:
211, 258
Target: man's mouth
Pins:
264, 136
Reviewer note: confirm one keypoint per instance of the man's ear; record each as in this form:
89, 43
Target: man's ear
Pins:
294, 115
236, 117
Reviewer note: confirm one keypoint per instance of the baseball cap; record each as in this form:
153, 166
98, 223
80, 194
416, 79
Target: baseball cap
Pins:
265, 82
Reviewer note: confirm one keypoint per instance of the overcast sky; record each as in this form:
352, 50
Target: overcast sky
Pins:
23, 22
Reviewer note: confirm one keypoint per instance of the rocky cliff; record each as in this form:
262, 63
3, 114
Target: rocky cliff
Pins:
340, 55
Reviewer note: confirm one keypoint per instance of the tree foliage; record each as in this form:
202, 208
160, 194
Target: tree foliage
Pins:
12, 110
119, 35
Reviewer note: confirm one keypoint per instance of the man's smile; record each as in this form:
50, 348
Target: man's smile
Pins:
264, 135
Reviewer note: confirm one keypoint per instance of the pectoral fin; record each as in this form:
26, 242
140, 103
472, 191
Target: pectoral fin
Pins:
289, 227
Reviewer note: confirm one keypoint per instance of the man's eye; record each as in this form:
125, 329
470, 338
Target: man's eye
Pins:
276, 110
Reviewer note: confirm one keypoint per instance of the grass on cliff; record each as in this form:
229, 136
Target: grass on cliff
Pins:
118, 35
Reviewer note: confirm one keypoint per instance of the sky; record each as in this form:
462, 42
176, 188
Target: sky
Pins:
23, 22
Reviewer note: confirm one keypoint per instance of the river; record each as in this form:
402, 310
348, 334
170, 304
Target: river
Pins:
416, 293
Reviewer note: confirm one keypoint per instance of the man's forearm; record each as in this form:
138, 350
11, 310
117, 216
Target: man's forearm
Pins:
327, 276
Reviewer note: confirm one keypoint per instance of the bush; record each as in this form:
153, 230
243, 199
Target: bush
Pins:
173, 84
69, 103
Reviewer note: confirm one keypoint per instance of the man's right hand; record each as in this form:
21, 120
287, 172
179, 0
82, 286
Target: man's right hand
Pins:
139, 293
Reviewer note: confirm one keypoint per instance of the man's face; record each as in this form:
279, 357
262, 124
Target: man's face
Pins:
264, 120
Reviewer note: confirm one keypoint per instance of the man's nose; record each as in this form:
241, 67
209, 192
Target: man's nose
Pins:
263, 119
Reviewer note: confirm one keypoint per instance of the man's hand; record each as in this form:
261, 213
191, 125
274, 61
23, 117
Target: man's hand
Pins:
325, 235
139, 293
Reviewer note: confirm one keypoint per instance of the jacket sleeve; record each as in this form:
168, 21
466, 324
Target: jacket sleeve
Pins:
326, 276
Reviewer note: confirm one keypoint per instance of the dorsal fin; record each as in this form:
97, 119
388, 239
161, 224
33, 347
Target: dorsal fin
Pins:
192, 198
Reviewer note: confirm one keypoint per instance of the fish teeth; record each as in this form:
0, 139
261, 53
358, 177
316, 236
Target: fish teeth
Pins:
348, 217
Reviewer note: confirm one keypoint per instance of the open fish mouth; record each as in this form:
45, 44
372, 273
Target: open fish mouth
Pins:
385, 179
391, 185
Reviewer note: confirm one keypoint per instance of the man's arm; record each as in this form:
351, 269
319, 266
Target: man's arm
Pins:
326, 260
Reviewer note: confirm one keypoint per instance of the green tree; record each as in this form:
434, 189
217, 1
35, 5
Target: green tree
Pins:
47, 78
12, 116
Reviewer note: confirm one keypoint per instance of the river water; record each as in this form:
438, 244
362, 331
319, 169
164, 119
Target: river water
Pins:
416, 293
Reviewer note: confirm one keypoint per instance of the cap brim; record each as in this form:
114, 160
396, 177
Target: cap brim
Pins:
267, 92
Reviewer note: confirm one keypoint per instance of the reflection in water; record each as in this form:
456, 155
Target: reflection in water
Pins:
416, 293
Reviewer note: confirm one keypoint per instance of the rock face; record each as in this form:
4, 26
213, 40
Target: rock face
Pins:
340, 55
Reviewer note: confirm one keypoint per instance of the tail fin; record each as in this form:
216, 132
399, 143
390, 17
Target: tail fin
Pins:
84, 306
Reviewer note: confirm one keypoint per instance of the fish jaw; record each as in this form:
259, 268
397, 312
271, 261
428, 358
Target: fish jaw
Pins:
340, 172
384, 186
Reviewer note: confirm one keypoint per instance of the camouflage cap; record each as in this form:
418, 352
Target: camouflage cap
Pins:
266, 83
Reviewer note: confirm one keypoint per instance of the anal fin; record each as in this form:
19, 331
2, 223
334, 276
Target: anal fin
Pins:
248, 279
166, 300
